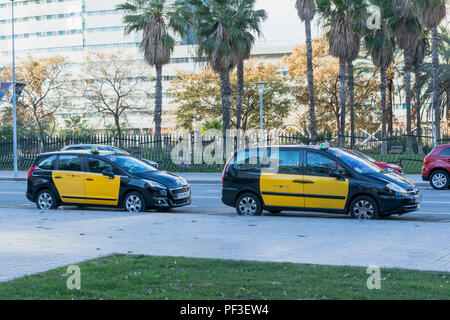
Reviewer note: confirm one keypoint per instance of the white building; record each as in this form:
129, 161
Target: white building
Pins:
73, 28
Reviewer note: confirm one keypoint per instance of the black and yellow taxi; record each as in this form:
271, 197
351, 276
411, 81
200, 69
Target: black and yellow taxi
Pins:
100, 178
314, 178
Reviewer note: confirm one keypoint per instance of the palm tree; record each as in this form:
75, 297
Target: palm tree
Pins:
306, 10
217, 28
417, 57
249, 20
407, 36
153, 18
431, 13
351, 90
381, 47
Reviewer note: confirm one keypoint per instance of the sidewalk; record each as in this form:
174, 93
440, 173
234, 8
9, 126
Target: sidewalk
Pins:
194, 177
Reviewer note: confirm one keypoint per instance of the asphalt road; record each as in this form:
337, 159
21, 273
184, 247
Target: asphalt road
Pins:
206, 200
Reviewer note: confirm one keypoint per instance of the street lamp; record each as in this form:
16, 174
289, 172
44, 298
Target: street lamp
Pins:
14, 94
261, 85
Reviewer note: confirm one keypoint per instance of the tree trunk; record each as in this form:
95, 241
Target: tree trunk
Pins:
436, 104
342, 76
158, 106
312, 112
351, 98
119, 129
418, 107
409, 142
240, 92
390, 107
226, 104
383, 109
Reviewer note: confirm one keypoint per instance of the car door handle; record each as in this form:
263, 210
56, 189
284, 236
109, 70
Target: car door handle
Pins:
58, 177
88, 179
303, 181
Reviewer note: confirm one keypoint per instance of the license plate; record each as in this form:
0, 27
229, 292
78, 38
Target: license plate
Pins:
182, 195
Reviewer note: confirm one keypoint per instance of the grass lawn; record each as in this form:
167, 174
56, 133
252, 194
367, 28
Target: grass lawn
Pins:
145, 277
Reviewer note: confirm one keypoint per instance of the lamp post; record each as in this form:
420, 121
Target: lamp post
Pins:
261, 85
14, 102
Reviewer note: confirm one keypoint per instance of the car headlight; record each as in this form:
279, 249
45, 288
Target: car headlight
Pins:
182, 181
155, 184
390, 169
396, 188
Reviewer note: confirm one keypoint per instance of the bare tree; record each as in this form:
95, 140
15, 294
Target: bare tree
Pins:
113, 86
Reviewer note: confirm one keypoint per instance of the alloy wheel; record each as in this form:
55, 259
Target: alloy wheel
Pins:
45, 201
133, 204
248, 206
363, 209
439, 180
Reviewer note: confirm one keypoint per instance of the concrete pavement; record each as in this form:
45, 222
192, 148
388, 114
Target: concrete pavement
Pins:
192, 177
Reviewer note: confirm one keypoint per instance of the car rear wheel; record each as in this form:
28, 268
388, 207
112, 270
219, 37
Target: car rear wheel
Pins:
440, 180
364, 207
134, 202
248, 204
46, 200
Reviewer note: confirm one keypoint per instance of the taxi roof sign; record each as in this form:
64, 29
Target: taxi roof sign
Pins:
325, 145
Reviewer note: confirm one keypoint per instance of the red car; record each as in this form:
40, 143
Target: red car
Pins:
383, 165
436, 167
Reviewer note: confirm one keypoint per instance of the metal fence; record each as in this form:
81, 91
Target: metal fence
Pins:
160, 150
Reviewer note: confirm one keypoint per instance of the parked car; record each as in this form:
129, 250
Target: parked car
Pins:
383, 165
306, 178
102, 147
436, 167
103, 178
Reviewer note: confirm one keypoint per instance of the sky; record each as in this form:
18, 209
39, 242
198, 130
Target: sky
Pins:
283, 23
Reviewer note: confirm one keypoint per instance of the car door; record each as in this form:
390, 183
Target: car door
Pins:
321, 190
69, 179
281, 184
100, 189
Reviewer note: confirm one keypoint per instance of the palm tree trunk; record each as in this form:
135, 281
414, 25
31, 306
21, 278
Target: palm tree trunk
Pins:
383, 109
240, 92
158, 105
390, 107
409, 142
226, 104
351, 98
312, 112
436, 104
418, 107
342, 76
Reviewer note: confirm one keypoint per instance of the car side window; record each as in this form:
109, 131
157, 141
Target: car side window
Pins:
319, 165
47, 163
69, 163
445, 153
98, 166
287, 161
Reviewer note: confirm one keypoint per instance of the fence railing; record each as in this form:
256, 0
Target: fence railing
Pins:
160, 150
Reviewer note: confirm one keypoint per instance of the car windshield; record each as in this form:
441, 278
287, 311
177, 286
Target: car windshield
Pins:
131, 164
355, 162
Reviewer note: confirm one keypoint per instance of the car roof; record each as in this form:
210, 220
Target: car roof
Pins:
81, 152
314, 147
90, 145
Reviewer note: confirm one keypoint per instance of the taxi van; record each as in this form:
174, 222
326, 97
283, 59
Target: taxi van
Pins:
102, 178
310, 178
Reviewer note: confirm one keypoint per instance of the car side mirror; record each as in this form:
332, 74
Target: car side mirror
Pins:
336, 174
109, 173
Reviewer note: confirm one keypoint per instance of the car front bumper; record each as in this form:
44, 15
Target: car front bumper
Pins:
399, 205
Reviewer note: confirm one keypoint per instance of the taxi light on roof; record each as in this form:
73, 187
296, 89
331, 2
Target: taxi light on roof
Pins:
325, 145
94, 150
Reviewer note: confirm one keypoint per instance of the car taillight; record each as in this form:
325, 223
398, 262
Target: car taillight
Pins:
225, 169
426, 160
31, 170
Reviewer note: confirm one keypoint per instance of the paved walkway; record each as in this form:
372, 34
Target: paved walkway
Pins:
32, 241
191, 177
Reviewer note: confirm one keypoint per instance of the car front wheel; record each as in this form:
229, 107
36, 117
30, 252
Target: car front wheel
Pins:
364, 207
440, 180
134, 202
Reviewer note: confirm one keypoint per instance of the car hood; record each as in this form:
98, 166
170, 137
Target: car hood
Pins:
168, 179
393, 178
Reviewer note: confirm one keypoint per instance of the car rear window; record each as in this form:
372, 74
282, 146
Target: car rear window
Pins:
47, 163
